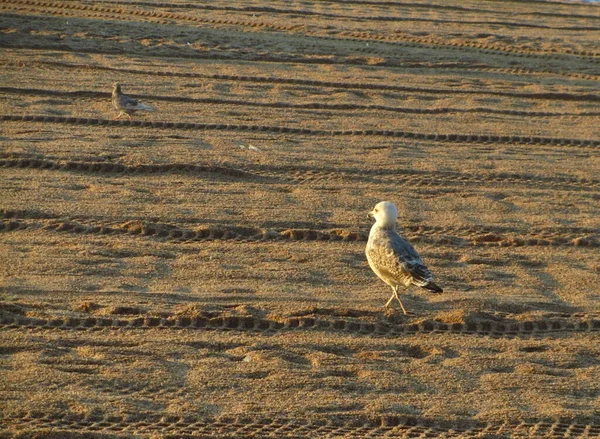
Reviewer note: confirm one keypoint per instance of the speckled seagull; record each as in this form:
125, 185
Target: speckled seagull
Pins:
392, 258
125, 104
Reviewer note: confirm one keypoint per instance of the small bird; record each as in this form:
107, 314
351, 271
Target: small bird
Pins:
392, 258
125, 104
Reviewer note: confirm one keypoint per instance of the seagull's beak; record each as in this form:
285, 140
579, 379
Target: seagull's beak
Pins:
371, 214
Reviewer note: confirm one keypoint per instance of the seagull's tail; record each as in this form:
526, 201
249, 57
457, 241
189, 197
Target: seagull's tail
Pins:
143, 107
433, 288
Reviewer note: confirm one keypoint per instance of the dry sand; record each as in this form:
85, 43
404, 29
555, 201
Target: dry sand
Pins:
200, 270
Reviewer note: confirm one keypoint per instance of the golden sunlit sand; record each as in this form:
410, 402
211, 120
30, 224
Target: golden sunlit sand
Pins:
199, 271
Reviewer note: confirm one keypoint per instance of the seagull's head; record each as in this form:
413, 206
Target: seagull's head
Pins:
116, 88
385, 213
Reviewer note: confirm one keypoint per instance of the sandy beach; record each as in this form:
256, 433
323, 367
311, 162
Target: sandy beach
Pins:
199, 270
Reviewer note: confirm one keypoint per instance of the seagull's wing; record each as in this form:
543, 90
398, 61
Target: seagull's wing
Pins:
409, 260
394, 257
128, 103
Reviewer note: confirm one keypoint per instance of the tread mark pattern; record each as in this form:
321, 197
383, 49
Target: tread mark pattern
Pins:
116, 168
450, 138
283, 175
64, 9
322, 106
11, 221
259, 426
508, 329
521, 71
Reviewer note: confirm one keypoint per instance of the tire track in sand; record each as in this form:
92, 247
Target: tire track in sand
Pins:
324, 106
453, 237
439, 137
327, 321
98, 424
121, 13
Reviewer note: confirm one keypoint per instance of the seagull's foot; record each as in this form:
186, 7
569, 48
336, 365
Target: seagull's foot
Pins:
388, 303
389, 306
396, 316
406, 313
395, 296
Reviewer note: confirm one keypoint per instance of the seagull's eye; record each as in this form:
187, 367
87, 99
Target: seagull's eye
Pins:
376, 210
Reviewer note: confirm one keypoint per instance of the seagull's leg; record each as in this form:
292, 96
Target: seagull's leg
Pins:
398, 299
118, 115
129, 116
390, 300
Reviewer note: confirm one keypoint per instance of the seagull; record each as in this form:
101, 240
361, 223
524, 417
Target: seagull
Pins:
125, 104
392, 258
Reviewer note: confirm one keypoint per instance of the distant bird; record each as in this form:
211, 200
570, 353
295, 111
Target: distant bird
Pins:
125, 104
392, 258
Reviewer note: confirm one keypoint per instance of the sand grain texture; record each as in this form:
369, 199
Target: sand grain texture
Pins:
199, 271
